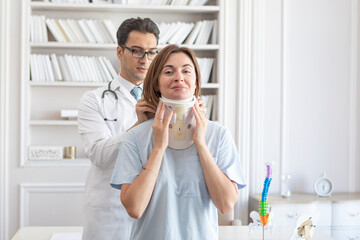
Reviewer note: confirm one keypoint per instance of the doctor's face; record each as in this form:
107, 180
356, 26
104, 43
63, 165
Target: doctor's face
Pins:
177, 80
134, 69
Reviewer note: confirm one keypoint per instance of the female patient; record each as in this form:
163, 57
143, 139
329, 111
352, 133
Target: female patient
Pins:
173, 184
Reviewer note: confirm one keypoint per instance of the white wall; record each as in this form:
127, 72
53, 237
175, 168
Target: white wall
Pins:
4, 106
357, 180
26, 185
14, 112
316, 91
304, 98
272, 88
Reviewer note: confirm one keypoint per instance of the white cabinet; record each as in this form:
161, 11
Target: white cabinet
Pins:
287, 214
346, 220
339, 214
41, 124
346, 214
345, 233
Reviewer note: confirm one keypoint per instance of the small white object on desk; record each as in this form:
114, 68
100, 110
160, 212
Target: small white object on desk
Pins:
66, 236
70, 114
43, 233
285, 181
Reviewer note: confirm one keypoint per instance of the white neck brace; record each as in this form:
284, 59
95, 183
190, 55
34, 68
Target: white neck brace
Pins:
182, 124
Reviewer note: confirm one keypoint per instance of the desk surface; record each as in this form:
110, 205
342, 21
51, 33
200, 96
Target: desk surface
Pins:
280, 233
310, 198
225, 233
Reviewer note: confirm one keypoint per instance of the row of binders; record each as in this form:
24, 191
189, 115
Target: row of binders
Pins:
162, 2
103, 31
67, 1
201, 32
50, 68
71, 30
138, 2
209, 104
206, 66
70, 68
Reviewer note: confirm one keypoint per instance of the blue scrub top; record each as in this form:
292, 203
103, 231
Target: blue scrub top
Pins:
180, 207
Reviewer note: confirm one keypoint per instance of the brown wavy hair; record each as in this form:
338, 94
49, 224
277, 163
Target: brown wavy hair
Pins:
151, 91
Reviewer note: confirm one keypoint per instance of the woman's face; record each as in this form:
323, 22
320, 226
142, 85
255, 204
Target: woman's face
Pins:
177, 80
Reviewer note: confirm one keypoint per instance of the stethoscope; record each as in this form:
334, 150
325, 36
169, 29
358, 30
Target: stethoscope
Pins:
102, 102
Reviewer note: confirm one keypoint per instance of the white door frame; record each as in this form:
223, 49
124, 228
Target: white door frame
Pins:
4, 113
243, 101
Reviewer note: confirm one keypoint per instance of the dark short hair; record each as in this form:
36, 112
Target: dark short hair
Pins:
143, 25
151, 90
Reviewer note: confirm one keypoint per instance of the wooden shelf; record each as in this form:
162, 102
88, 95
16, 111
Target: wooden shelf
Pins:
80, 162
67, 84
53, 122
210, 86
109, 46
86, 7
96, 46
95, 84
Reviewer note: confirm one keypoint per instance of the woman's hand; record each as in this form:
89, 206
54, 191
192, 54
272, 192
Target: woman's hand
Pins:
201, 124
202, 105
144, 111
161, 127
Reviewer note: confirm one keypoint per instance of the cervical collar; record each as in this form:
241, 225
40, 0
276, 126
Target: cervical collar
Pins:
182, 124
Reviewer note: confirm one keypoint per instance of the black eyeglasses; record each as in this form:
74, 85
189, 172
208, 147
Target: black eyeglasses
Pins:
138, 53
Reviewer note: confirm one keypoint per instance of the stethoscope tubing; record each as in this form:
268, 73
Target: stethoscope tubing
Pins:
102, 102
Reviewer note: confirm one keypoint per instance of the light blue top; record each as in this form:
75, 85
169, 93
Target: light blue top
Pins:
180, 207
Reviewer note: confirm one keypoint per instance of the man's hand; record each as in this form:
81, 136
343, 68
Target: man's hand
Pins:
144, 111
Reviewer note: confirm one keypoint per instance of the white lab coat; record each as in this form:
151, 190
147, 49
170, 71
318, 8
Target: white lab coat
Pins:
105, 217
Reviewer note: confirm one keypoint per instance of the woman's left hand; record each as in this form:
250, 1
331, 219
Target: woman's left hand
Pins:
202, 105
161, 127
201, 124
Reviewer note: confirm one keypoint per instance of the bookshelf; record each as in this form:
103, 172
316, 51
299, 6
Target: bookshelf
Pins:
97, 46
94, 84
42, 101
38, 5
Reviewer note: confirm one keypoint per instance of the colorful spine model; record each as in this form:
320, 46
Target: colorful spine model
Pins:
263, 204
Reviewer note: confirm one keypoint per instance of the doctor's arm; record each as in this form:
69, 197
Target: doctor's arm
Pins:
136, 196
100, 144
223, 191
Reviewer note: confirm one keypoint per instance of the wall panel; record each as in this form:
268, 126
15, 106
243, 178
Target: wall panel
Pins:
316, 62
51, 204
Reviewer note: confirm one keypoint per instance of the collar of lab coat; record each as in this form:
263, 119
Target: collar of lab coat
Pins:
123, 85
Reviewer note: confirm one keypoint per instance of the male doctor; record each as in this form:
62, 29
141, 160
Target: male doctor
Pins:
105, 114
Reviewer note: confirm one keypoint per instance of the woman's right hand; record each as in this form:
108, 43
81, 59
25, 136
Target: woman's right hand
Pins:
161, 127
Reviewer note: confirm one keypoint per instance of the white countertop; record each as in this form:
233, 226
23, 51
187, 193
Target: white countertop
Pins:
225, 233
310, 198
